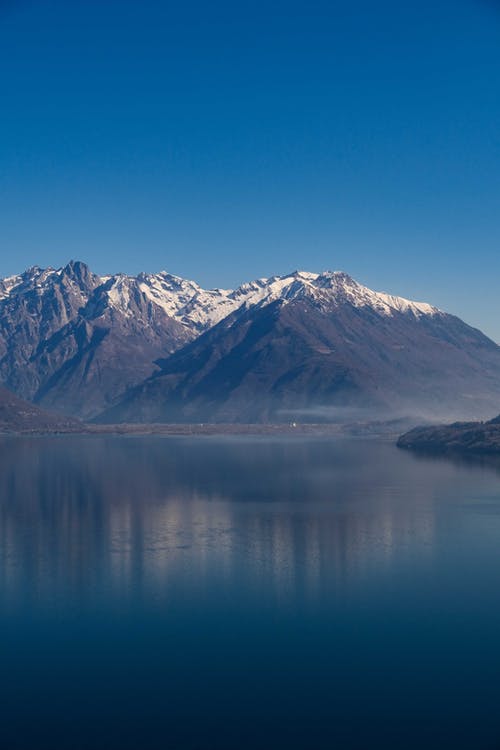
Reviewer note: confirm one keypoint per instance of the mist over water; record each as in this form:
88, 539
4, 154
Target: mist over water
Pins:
222, 592
413, 412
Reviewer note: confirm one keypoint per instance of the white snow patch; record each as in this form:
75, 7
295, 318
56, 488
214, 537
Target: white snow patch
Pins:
199, 309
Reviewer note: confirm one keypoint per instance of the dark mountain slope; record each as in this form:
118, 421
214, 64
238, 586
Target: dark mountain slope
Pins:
64, 345
96, 357
285, 348
303, 358
17, 415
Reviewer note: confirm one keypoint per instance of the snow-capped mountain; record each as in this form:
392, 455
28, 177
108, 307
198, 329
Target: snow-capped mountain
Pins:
193, 307
307, 354
80, 343
329, 290
199, 309
65, 344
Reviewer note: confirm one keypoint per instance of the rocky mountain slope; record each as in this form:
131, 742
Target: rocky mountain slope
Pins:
158, 347
310, 346
74, 342
17, 415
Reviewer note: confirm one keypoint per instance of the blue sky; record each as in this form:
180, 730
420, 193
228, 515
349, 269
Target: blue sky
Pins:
225, 141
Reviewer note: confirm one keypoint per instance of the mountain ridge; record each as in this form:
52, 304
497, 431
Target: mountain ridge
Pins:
289, 358
79, 343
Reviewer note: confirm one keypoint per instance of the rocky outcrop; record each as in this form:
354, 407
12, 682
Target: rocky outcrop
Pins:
479, 438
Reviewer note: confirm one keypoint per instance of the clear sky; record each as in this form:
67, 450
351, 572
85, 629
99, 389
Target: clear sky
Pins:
223, 141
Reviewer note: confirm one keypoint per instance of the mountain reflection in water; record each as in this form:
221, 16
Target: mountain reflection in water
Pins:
79, 514
218, 592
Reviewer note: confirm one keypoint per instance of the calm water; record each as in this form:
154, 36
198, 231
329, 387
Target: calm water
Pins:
219, 593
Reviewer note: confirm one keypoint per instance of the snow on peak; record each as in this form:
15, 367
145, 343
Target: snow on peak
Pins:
8, 284
199, 309
118, 291
34, 278
341, 287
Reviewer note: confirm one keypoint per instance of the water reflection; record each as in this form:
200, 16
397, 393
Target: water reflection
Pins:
123, 517
211, 593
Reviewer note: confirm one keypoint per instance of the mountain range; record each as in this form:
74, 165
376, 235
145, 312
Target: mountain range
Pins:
308, 346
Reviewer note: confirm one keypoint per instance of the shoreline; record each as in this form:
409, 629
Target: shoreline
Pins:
391, 428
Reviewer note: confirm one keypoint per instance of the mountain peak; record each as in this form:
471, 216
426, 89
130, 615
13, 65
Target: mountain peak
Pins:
198, 309
305, 275
77, 267
76, 341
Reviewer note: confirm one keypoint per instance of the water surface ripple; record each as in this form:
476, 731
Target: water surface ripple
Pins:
245, 593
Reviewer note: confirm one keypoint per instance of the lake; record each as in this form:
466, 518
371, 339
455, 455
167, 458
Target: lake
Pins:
217, 593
